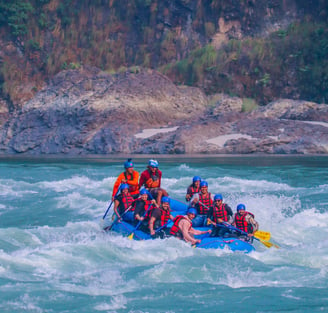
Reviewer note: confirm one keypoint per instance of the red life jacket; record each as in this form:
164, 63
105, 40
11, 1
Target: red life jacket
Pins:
220, 212
242, 224
175, 228
127, 201
165, 216
205, 200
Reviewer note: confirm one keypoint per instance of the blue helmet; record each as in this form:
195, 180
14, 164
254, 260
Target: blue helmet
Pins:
143, 192
218, 197
203, 183
153, 163
192, 211
165, 200
241, 207
124, 186
196, 178
128, 164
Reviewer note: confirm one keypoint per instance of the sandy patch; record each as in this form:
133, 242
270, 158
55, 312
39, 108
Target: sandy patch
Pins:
221, 140
316, 123
146, 133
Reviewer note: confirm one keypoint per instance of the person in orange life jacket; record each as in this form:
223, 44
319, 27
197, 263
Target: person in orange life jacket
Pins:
142, 205
182, 227
151, 179
245, 221
193, 188
123, 202
206, 200
159, 217
130, 177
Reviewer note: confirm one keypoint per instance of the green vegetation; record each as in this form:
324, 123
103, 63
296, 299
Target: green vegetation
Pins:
114, 35
294, 58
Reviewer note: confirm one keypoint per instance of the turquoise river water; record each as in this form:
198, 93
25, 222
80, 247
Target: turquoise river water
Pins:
54, 256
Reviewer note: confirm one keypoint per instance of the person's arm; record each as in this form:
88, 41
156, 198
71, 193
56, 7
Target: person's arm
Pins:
156, 214
117, 185
230, 214
254, 223
159, 178
194, 200
188, 194
143, 179
139, 207
234, 220
199, 232
209, 215
151, 225
116, 204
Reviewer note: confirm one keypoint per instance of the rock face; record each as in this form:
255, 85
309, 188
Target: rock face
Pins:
87, 111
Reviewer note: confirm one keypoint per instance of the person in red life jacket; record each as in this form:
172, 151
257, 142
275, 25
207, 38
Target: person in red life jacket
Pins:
201, 201
193, 188
151, 179
142, 205
130, 177
219, 212
123, 204
182, 227
159, 218
245, 221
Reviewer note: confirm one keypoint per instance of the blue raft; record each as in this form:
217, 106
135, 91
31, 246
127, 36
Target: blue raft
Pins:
207, 242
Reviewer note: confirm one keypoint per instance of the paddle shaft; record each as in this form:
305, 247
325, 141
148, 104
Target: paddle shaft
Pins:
118, 190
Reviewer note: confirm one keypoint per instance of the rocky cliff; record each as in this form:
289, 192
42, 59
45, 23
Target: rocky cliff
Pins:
87, 111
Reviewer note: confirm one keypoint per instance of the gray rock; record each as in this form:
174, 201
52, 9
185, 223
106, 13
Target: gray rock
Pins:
86, 111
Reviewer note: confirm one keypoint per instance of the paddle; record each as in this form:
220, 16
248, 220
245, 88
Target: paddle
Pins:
263, 235
116, 219
118, 190
266, 243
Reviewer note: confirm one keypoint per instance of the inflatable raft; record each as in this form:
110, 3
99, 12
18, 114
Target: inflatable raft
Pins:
207, 242
180, 208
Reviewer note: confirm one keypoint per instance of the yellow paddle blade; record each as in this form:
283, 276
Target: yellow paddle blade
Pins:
269, 244
266, 243
131, 236
263, 235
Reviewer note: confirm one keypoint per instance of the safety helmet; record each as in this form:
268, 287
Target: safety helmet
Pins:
218, 197
165, 200
128, 164
196, 178
153, 163
241, 207
143, 192
203, 183
192, 211
124, 186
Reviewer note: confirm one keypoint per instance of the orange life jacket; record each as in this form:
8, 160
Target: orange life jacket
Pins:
153, 181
